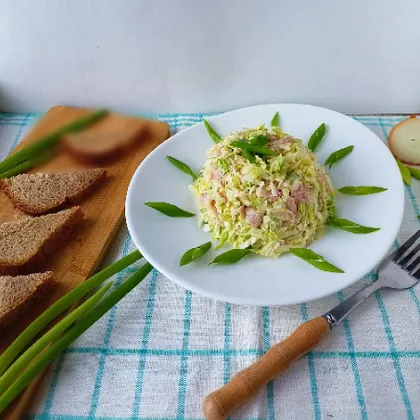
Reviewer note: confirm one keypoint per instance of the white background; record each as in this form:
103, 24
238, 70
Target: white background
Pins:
196, 56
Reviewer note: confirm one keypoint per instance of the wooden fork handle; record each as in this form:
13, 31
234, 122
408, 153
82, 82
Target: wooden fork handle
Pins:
248, 382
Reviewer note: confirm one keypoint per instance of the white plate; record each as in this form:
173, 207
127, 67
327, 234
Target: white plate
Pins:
257, 280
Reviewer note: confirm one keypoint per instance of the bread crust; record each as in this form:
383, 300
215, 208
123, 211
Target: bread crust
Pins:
21, 307
18, 203
35, 261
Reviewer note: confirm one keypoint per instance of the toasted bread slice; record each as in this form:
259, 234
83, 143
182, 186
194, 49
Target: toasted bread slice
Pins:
43, 193
107, 140
18, 293
27, 241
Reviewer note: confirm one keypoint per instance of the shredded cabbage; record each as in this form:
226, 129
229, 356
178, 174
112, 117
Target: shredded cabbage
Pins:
268, 203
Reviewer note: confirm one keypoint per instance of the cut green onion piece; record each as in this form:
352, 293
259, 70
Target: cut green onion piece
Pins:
194, 253
260, 140
168, 209
14, 350
212, 133
20, 364
405, 172
248, 155
364, 190
350, 226
315, 259
29, 164
45, 143
182, 166
22, 167
275, 121
230, 257
415, 173
317, 137
259, 150
72, 334
338, 155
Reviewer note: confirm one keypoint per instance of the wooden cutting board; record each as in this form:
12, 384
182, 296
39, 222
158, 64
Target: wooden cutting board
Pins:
79, 257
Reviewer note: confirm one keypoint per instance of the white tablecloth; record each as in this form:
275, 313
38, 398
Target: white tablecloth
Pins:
162, 349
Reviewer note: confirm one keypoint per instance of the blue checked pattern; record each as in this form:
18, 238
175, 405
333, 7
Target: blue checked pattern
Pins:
162, 349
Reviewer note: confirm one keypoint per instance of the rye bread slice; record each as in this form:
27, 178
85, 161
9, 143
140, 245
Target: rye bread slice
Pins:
112, 137
42, 193
19, 293
26, 242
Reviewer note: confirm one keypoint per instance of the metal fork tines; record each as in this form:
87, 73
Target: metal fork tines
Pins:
401, 270
408, 257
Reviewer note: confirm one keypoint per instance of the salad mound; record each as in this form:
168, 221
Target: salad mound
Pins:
264, 190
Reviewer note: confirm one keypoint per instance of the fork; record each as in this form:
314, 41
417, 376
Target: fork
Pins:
401, 270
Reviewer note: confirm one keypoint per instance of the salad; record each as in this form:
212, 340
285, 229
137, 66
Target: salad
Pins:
263, 190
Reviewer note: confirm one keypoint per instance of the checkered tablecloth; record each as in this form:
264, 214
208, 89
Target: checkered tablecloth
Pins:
162, 349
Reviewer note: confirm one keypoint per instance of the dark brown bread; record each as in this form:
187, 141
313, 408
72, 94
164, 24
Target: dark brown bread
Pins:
42, 193
27, 241
18, 294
